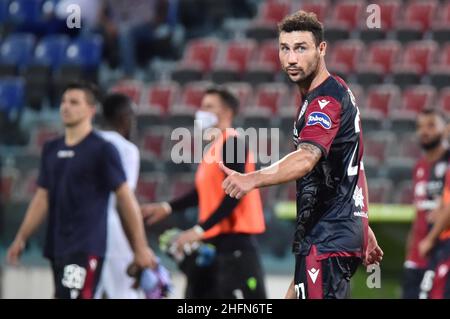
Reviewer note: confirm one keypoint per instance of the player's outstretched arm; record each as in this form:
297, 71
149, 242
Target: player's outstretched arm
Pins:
134, 227
36, 213
293, 166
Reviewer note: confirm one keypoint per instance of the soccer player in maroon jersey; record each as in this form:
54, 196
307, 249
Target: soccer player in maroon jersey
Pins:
332, 236
428, 185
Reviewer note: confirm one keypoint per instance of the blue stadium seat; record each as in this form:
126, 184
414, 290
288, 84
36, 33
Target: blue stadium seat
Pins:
17, 49
51, 50
85, 51
4, 4
12, 92
25, 12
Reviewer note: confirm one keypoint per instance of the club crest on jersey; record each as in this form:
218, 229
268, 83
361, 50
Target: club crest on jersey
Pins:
319, 118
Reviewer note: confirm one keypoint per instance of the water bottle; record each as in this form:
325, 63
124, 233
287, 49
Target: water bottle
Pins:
156, 283
149, 282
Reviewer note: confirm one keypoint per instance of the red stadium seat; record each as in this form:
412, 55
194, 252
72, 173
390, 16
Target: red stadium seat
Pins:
440, 71
274, 11
345, 55
382, 98
381, 55
202, 52
181, 184
420, 54
416, 98
347, 13
268, 54
444, 56
389, 11
133, 89
375, 146
271, 96
442, 17
159, 97
320, 8
153, 141
243, 91
419, 15
8, 181
147, 187
358, 93
238, 54
191, 98
444, 100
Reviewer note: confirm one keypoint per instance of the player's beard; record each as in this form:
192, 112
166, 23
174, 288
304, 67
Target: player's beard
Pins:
307, 76
433, 144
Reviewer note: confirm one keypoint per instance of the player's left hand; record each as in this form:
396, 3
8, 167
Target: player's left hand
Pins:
145, 258
236, 184
374, 253
186, 239
425, 246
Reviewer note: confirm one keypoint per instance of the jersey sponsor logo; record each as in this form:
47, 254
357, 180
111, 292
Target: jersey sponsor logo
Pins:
66, 154
361, 214
358, 197
74, 277
319, 118
443, 270
440, 169
323, 103
313, 273
427, 205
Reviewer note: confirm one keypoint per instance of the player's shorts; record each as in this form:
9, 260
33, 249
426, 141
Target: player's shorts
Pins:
328, 278
232, 275
436, 280
412, 277
76, 276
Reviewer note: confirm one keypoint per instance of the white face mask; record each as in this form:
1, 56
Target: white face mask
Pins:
206, 119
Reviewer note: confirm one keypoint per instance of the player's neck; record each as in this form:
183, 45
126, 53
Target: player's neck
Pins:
320, 76
436, 153
75, 134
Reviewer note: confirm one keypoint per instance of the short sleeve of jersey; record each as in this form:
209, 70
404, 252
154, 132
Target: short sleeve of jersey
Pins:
42, 180
112, 167
322, 122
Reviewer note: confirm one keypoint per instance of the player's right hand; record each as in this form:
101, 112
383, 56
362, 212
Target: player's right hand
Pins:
14, 251
153, 213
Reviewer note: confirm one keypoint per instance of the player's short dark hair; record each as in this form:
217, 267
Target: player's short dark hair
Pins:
226, 96
303, 21
114, 105
434, 111
92, 92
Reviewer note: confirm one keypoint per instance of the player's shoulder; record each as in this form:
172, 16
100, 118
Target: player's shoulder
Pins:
119, 142
334, 87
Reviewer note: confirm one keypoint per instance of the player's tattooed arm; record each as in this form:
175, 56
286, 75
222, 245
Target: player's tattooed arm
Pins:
291, 167
312, 149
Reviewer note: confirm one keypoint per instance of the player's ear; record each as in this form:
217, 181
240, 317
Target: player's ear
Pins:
322, 48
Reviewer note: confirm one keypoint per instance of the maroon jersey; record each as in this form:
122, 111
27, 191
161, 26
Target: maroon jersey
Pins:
428, 185
331, 199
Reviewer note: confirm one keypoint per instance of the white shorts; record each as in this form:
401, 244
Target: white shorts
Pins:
114, 282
